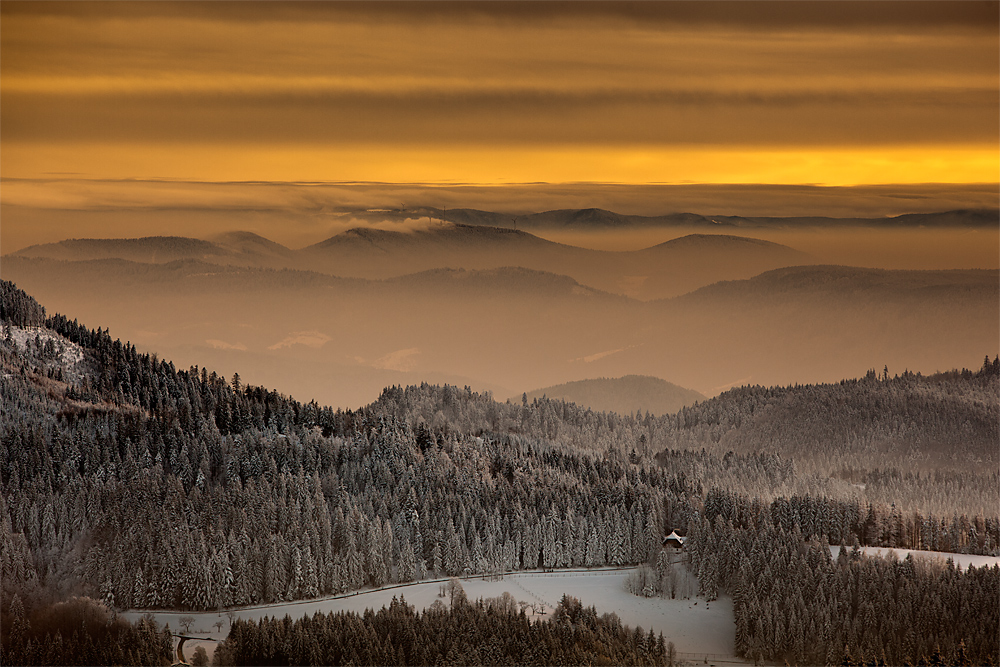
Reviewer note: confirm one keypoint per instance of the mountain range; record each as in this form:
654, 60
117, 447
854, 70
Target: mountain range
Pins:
660, 271
598, 218
514, 329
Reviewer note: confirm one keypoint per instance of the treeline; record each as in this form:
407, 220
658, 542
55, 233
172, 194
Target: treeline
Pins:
947, 418
925, 443
942, 421
852, 522
79, 631
793, 602
491, 632
19, 309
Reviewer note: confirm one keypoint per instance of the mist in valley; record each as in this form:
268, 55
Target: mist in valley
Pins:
507, 311
920, 248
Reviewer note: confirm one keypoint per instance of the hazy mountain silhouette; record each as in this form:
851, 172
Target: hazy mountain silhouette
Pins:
339, 339
255, 250
968, 218
810, 283
623, 395
597, 218
147, 249
667, 269
584, 218
664, 270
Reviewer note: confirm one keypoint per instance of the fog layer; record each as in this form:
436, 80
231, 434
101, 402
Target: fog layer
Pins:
511, 329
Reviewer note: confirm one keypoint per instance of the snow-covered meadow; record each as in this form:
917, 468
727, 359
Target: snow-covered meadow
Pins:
696, 627
693, 625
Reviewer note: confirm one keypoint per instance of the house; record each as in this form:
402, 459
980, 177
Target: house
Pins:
673, 541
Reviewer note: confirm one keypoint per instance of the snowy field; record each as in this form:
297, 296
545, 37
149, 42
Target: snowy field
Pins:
961, 560
697, 628
694, 626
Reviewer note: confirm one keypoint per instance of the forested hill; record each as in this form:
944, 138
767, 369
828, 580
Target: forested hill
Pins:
928, 442
127, 479
941, 421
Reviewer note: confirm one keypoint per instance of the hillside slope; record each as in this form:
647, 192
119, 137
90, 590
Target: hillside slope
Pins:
428, 479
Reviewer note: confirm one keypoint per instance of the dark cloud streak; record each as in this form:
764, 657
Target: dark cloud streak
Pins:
750, 15
492, 118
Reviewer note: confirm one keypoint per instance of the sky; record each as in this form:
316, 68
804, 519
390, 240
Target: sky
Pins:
141, 107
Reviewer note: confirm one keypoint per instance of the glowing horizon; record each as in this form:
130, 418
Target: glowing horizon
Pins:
517, 165
787, 93
880, 108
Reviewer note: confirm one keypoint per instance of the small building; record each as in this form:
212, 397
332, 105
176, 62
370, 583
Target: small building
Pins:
673, 541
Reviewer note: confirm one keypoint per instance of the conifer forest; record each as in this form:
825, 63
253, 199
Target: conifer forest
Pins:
131, 484
436, 333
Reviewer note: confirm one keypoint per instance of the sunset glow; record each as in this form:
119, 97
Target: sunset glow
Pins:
492, 94
492, 165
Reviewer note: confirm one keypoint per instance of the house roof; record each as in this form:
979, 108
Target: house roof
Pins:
673, 536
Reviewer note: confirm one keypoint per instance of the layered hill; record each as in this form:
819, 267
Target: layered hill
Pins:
232, 248
668, 269
509, 328
151, 249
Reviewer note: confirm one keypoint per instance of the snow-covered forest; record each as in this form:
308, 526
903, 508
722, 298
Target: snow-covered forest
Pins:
490, 632
793, 602
146, 486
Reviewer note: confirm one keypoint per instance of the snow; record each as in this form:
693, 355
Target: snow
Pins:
72, 354
696, 627
961, 560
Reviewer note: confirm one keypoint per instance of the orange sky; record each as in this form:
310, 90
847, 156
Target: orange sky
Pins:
835, 94
786, 93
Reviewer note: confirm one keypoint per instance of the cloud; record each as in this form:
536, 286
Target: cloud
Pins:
492, 76
297, 214
590, 358
400, 360
223, 345
313, 339
733, 13
725, 387
359, 203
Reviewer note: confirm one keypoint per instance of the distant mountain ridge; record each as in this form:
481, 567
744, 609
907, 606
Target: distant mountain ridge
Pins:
624, 395
667, 269
845, 282
153, 249
446, 233
598, 218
